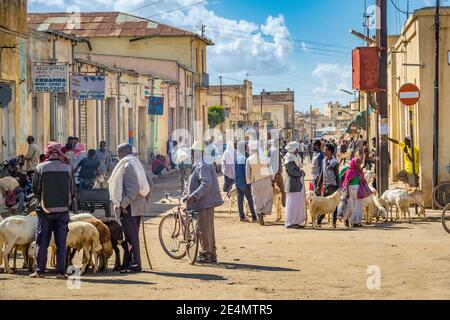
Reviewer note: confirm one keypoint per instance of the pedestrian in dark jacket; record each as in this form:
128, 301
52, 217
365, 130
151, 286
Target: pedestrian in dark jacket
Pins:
54, 186
244, 190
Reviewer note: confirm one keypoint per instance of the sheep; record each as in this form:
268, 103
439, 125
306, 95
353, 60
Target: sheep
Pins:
116, 238
101, 182
403, 199
15, 230
105, 240
80, 217
82, 235
323, 205
373, 208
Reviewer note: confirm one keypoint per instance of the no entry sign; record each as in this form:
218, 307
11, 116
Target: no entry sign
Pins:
409, 94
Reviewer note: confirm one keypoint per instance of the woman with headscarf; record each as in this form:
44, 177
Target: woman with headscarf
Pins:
295, 191
228, 161
355, 189
260, 175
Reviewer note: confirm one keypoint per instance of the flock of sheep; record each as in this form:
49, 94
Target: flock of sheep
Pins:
98, 238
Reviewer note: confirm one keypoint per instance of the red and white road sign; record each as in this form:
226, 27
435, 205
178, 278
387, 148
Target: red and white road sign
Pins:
409, 94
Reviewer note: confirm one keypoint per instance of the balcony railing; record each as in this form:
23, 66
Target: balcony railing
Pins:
201, 80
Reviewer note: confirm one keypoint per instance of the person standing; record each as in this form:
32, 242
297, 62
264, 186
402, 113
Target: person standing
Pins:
330, 179
171, 144
260, 175
32, 156
355, 190
203, 196
102, 156
228, 163
316, 166
244, 190
360, 146
183, 161
301, 151
275, 165
406, 175
79, 151
310, 150
295, 203
53, 185
129, 189
88, 170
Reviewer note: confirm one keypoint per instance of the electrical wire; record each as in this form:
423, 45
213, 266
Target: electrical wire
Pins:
177, 9
398, 9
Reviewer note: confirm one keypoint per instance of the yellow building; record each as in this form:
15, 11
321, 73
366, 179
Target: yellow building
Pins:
14, 77
237, 101
411, 60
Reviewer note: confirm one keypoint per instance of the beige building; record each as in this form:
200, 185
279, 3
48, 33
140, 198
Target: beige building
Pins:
237, 101
411, 60
127, 36
278, 111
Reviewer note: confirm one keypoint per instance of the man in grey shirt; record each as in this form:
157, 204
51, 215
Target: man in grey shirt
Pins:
102, 156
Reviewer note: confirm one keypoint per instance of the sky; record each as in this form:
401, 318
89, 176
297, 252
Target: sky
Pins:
303, 45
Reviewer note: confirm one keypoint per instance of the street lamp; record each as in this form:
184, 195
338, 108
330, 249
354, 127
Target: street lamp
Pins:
359, 35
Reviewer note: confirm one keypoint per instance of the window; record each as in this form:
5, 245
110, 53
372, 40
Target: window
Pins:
196, 59
339, 114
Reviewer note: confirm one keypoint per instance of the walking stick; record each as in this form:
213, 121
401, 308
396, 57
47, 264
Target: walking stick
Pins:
145, 244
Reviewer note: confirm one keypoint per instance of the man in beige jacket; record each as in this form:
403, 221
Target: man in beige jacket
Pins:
261, 177
32, 156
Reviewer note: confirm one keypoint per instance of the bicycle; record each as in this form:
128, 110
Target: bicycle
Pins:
441, 193
179, 233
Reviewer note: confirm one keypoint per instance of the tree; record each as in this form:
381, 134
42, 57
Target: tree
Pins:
216, 116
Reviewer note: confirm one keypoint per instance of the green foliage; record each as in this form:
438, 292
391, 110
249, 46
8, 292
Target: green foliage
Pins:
216, 116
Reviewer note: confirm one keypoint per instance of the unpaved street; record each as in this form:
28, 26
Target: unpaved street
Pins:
271, 262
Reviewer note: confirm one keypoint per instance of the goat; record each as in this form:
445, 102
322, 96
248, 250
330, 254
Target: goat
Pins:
323, 205
32, 256
101, 182
373, 208
403, 199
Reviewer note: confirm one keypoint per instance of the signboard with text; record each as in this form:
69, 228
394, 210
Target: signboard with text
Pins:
50, 78
156, 106
87, 87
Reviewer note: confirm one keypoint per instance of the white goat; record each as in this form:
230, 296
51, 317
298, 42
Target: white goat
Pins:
15, 230
80, 217
373, 208
403, 199
32, 256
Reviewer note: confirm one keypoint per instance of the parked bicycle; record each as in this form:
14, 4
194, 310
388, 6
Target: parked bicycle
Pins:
179, 233
441, 198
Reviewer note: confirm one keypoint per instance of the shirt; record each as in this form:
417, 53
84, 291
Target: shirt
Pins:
329, 175
408, 162
102, 156
316, 167
88, 168
32, 157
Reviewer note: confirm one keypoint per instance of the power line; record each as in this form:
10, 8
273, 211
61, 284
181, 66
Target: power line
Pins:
147, 5
398, 9
177, 9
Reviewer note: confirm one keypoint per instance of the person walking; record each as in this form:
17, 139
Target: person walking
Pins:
102, 156
316, 166
295, 191
244, 190
129, 189
355, 190
203, 196
275, 164
54, 186
301, 151
260, 175
330, 179
32, 156
171, 144
228, 166
310, 150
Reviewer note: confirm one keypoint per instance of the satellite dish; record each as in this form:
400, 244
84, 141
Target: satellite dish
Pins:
5, 94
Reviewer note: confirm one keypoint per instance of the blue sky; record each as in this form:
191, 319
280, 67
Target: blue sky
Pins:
303, 45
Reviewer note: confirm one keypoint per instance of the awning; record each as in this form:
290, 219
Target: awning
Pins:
358, 123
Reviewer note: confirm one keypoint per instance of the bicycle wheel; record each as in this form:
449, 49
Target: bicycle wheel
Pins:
192, 240
441, 195
171, 236
446, 218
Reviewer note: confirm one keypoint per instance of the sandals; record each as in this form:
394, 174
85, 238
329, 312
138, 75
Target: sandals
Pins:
261, 219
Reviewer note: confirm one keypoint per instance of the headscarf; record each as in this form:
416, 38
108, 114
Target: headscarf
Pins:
53, 151
79, 149
291, 148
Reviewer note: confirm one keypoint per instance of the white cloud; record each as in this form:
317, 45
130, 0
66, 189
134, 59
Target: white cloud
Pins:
333, 77
49, 3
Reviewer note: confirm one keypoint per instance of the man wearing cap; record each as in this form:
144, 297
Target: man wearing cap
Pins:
203, 196
407, 175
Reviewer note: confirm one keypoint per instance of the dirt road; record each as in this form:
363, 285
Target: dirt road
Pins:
271, 262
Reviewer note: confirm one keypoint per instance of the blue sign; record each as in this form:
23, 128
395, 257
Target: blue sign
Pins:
156, 106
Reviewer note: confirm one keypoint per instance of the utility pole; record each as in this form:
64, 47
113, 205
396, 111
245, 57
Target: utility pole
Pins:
54, 97
221, 92
382, 150
203, 30
437, 26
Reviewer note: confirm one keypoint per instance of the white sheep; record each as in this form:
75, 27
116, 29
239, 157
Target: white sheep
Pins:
32, 256
373, 208
80, 217
323, 205
82, 235
403, 199
15, 230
